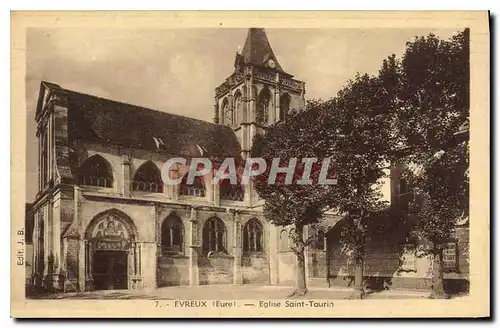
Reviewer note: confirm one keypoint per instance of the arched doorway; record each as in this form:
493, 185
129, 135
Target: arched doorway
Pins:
111, 252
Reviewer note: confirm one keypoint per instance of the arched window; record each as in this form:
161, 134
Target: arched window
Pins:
97, 172
41, 244
227, 112
319, 240
196, 189
172, 235
252, 237
238, 107
148, 178
263, 101
214, 236
283, 240
284, 106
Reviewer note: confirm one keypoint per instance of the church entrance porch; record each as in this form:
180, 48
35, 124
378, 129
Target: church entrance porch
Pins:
110, 270
112, 256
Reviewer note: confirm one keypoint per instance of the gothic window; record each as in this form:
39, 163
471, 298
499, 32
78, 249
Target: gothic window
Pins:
238, 105
172, 235
227, 112
319, 240
214, 236
252, 237
44, 154
263, 102
196, 189
253, 95
97, 172
284, 240
284, 106
148, 178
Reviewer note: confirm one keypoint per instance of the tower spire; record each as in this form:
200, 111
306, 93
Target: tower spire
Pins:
257, 50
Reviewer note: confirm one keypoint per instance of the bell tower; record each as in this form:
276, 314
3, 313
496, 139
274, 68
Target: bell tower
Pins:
258, 93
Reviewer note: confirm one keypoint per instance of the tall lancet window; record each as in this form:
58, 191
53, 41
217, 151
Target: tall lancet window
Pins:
252, 237
227, 113
238, 105
284, 106
263, 102
172, 235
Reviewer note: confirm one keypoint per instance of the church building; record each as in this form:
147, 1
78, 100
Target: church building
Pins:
104, 219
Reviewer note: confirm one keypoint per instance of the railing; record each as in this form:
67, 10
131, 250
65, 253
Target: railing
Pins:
265, 76
147, 186
233, 193
104, 182
192, 191
291, 83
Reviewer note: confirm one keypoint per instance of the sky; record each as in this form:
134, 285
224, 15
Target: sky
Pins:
177, 70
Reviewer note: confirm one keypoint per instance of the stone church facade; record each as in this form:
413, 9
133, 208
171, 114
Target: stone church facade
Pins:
103, 219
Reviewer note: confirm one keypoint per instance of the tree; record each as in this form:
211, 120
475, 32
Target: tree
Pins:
432, 115
297, 137
357, 127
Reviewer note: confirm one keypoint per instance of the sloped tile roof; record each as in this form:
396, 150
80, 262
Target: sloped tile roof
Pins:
106, 121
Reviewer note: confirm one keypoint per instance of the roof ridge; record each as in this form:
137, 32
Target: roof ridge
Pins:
135, 106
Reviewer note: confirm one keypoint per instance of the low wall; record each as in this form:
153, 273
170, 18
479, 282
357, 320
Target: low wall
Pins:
255, 269
215, 270
173, 271
287, 264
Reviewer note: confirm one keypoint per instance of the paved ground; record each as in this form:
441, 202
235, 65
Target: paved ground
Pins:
231, 292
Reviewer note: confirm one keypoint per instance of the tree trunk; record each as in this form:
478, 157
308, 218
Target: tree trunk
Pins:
358, 278
358, 292
437, 276
301, 285
359, 258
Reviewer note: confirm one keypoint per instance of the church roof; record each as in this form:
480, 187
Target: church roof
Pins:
106, 121
257, 49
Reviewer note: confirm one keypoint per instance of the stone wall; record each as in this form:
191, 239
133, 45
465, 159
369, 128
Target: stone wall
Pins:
216, 270
384, 267
287, 264
173, 271
255, 269
317, 262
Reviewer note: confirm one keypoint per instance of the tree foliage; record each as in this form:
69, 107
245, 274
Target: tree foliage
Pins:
418, 104
293, 204
433, 118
